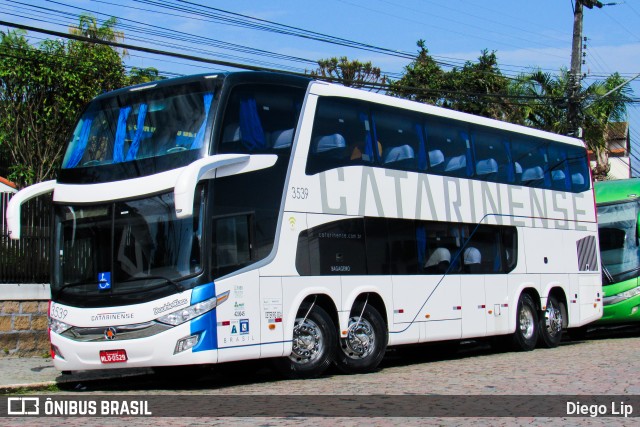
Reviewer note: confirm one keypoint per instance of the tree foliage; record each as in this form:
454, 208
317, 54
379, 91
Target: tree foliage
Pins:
352, 73
476, 87
536, 99
144, 75
423, 79
42, 91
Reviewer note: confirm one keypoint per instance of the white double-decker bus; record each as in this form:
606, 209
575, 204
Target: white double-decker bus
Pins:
238, 216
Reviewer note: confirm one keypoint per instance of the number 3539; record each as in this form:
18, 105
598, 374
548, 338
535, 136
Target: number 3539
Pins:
301, 193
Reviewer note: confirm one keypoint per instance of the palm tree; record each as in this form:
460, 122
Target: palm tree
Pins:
88, 27
600, 104
606, 103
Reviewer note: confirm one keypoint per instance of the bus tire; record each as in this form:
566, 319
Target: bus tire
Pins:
366, 342
314, 343
526, 334
551, 323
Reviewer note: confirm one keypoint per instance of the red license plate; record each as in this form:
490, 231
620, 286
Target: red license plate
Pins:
113, 356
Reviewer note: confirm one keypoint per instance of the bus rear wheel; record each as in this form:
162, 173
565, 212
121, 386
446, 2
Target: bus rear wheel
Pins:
364, 346
526, 334
551, 323
314, 342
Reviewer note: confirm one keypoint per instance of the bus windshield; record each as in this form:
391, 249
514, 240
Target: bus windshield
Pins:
142, 124
618, 231
124, 248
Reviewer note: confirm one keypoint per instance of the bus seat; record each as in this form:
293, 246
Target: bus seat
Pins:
577, 179
438, 261
231, 133
399, 154
558, 180
532, 174
517, 168
472, 260
329, 144
435, 158
282, 139
456, 163
486, 167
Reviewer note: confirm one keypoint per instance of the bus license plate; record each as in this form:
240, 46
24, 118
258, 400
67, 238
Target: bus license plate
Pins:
113, 356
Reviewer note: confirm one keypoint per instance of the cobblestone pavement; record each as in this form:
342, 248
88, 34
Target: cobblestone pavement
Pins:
601, 366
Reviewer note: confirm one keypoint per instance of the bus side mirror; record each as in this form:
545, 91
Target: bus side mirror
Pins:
215, 166
15, 204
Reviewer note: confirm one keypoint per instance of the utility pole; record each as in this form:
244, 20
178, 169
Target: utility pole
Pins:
575, 75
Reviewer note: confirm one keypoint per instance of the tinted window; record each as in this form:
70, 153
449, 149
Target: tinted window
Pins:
260, 119
348, 132
400, 139
406, 247
336, 248
341, 136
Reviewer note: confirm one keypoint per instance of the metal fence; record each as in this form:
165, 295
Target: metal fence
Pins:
26, 260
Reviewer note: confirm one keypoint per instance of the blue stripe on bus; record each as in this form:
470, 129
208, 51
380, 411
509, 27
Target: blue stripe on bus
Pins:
205, 325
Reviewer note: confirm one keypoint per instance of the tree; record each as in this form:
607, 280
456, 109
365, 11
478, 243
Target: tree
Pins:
349, 73
543, 100
478, 88
143, 75
423, 79
547, 106
608, 105
88, 27
42, 92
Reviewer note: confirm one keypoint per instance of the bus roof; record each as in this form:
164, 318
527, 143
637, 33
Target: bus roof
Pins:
617, 190
239, 76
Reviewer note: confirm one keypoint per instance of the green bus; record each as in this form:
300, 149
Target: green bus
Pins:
618, 206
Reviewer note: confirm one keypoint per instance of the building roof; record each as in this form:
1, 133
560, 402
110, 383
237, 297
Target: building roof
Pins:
7, 186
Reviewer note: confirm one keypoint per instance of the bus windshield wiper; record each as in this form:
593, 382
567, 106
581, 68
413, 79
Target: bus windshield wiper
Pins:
73, 285
622, 273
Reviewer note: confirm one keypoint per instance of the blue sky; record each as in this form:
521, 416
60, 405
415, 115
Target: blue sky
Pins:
524, 34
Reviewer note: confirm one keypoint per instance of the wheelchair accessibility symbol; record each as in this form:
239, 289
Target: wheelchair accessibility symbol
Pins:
104, 281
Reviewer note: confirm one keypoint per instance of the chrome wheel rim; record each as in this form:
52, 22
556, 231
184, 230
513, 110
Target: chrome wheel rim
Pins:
307, 341
553, 320
360, 340
526, 322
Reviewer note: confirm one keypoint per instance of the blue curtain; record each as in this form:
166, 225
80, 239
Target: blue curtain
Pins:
468, 152
375, 144
135, 144
250, 126
199, 139
422, 149
511, 167
121, 131
81, 145
368, 145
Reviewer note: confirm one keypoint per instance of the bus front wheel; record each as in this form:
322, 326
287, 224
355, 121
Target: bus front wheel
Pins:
364, 346
551, 323
314, 342
526, 334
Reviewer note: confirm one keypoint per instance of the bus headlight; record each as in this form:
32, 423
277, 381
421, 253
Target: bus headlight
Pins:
613, 299
57, 326
184, 314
